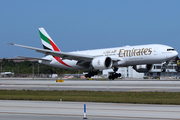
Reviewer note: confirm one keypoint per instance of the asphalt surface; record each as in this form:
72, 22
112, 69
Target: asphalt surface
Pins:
45, 110
54, 110
92, 85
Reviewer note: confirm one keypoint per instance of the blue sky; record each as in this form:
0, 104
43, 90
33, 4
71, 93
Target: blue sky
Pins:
88, 24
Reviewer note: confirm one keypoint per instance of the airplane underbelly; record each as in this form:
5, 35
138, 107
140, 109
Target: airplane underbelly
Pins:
67, 64
135, 60
143, 60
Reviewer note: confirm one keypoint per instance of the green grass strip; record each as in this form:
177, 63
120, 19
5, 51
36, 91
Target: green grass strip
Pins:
94, 96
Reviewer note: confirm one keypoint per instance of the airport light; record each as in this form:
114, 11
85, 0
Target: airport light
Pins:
84, 112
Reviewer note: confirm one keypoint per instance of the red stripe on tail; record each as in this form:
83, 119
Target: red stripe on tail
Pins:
58, 58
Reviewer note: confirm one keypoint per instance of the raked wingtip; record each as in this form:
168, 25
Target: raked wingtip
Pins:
9, 43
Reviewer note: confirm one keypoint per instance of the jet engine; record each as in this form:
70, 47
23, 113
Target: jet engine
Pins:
102, 62
143, 68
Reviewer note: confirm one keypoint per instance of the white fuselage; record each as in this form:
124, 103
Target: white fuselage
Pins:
123, 56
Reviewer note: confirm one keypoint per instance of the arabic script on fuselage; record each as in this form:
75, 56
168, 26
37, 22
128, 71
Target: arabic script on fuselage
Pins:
109, 51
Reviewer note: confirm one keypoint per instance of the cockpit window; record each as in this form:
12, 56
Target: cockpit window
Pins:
170, 49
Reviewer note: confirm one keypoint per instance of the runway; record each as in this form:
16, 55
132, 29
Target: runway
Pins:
45, 110
92, 85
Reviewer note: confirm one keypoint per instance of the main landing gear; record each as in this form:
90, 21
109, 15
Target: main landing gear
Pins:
164, 67
91, 73
114, 75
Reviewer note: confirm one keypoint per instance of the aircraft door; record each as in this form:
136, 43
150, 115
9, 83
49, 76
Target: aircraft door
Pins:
155, 51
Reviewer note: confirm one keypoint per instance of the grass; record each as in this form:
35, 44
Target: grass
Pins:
94, 96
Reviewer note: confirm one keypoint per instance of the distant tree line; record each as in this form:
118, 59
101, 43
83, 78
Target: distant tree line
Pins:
26, 67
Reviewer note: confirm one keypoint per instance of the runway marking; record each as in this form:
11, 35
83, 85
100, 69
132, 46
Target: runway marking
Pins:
104, 82
89, 115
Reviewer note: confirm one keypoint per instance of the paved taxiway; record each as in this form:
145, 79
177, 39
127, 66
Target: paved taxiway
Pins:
45, 110
93, 85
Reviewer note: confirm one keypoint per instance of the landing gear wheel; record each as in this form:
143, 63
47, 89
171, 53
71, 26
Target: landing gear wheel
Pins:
114, 74
87, 75
91, 73
111, 77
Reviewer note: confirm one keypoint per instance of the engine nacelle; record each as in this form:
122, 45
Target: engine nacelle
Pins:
102, 63
143, 68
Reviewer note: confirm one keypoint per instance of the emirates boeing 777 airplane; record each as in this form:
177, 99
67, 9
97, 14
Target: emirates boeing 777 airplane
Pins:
100, 59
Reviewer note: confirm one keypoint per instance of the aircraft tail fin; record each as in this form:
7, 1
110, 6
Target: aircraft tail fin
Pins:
47, 41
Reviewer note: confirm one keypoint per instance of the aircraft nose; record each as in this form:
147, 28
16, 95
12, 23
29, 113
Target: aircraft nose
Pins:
176, 53
173, 55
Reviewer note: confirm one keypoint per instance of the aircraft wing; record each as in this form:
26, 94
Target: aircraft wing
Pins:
63, 55
37, 58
